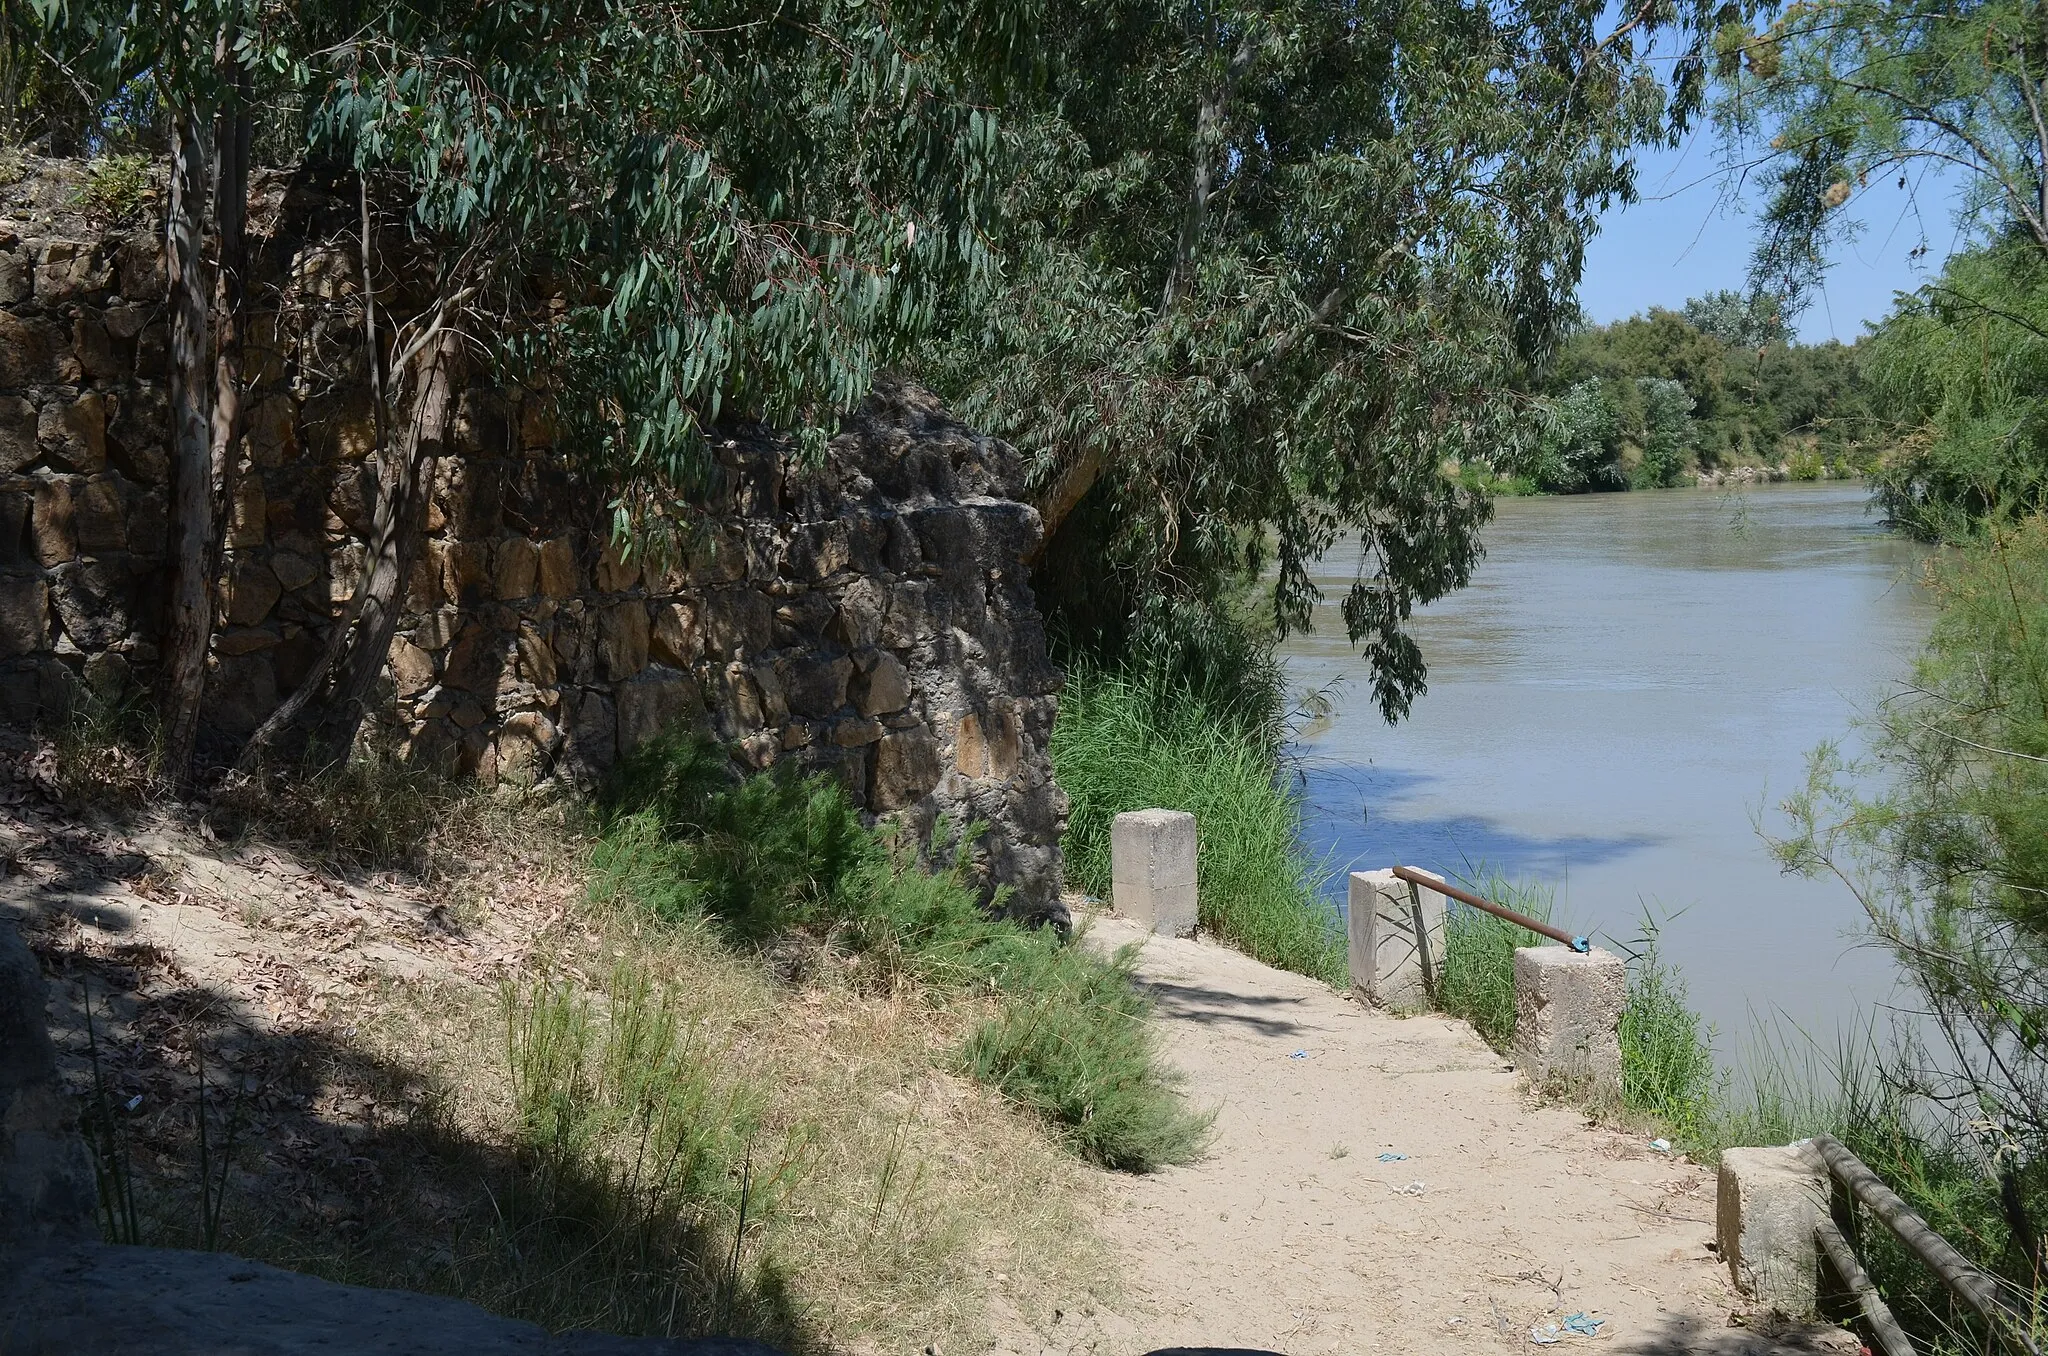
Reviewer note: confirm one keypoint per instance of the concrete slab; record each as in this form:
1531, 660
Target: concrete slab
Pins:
1152, 870
1765, 1206
1396, 941
1568, 1008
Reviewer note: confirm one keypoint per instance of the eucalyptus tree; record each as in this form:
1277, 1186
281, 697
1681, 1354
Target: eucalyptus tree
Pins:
196, 61
656, 215
1271, 265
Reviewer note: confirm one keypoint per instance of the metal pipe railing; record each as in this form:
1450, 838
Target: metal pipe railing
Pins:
1973, 1286
1535, 925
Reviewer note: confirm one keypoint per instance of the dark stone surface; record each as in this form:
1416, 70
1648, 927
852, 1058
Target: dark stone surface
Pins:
47, 1196
97, 1299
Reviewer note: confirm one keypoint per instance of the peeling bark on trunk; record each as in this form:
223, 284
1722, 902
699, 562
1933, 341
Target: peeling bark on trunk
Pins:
233, 133
395, 532
327, 710
189, 626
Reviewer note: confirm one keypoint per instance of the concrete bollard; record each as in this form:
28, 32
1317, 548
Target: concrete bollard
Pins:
1397, 940
1568, 1020
1152, 870
1765, 1207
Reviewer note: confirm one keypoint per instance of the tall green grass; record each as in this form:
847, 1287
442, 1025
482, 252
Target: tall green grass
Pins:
1123, 744
771, 859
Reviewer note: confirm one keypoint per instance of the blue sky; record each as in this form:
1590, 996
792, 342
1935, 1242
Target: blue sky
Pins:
1685, 238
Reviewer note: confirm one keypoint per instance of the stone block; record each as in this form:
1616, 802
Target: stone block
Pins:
29, 351
1152, 869
905, 768
516, 569
524, 743
537, 663
815, 687
92, 600
1766, 1205
653, 700
253, 593
1568, 1020
74, 432
466, 571
622, 639
412, 669
272, 430
676, 641
100, 515
137, 436
616, 573
988, 744
52, 522
1396, 940
24, 617
882, 687
249, 514
559, 577
18, 444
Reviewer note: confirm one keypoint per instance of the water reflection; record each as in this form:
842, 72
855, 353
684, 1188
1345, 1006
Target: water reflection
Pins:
1618, 701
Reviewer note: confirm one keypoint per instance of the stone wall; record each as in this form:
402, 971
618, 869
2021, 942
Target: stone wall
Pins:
870, 617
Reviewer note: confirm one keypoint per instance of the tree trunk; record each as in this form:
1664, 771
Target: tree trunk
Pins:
189, 627
336, 693
395, 531
232, 135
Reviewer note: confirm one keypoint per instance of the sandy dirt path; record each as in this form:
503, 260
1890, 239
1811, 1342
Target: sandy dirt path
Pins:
1292, 1235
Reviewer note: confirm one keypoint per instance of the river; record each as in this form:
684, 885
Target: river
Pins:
1629, 685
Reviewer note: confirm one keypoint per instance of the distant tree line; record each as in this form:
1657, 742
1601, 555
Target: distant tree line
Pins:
1648, 401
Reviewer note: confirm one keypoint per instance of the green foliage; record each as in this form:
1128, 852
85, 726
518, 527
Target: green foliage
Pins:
1477, 981
1836, 93
1125, 744
1947, 857
763, 859
660, 217
1667, 1054
1664, 432
1071, 1045
114, 186
1580, 448
641, 1178
1268, 267
1678, 394
1959, 367
1753, 321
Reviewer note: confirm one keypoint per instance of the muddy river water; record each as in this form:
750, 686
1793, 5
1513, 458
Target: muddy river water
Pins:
1625, 692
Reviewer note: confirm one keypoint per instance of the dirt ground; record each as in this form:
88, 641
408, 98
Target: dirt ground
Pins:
1381, 1184
1375, 1184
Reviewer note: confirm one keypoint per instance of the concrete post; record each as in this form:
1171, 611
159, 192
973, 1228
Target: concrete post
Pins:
1765, 1207
1152, 869
1397, 941
1568, 1020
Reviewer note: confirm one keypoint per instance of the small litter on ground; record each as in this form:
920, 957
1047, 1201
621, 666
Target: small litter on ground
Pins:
1545, 1335
1662, 1146
1392, 1157
1412, 1189
1299, 1054
1579, 1323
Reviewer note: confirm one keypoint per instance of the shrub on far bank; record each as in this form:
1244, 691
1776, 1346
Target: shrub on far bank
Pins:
1124, 744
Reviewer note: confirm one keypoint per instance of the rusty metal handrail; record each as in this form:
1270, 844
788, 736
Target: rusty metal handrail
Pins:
1536, 925
1966, 1281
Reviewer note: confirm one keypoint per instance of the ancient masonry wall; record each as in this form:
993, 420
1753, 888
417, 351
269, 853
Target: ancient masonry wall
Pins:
870, 617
